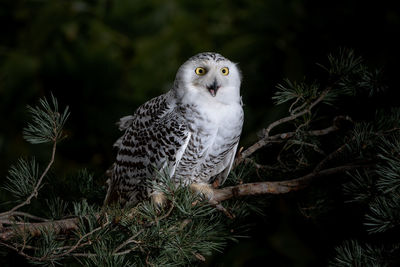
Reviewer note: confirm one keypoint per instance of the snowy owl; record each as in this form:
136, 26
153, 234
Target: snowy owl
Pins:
192, 131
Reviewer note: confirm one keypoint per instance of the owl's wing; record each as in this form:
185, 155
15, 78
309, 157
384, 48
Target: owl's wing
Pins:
145, 115
156, 136
221, 177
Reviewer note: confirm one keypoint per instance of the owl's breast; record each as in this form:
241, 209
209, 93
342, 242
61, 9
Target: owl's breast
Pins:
215, 133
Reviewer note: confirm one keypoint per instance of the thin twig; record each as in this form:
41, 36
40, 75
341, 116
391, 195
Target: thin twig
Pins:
294, 103
36, 189
387, 131
319, 132
166, 214
295, 116
331, 156
298, 108
89, 255
16, 245
324, 131
23, 254
56, 224
313, 146
262, 142
259, 166
228, 214
74, 247
27, 215
86, 255
128, 241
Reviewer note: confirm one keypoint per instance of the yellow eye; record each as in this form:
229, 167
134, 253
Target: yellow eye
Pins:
225, 71
200, 71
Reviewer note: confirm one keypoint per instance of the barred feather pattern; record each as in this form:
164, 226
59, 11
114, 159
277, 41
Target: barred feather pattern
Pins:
152, 137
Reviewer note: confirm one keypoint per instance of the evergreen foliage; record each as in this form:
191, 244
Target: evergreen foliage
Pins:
47, 123
190, 229
22, 178
352, 253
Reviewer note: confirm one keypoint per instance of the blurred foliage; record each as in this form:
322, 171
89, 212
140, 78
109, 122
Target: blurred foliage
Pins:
104, 58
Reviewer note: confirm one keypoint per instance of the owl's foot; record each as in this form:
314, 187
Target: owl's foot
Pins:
205, 190
159, 200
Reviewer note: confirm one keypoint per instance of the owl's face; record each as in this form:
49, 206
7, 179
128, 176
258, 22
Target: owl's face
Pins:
209, 76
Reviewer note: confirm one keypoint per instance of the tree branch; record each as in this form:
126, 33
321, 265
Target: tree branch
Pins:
79, 242
128, 241
296, 115
285, 136
278, 187
34, 229
37, 186
262, 142
27, 215
331, 156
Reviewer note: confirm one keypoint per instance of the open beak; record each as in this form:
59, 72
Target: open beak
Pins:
213, 88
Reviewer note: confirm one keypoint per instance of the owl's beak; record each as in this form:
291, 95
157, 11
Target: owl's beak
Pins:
213, 88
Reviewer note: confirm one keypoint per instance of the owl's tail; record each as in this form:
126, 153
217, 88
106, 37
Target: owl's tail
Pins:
112, 195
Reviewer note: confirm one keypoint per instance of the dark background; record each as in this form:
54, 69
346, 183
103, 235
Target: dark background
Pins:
105, 58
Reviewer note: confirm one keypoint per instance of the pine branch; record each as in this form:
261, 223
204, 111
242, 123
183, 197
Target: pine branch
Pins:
296, 115
249, 189
35, 191
331, 156
46, 126
334, 127
15, 218
47, 123
79, 242
30, 216
264, 141
243, 154
128, 241
278, 187
34, 229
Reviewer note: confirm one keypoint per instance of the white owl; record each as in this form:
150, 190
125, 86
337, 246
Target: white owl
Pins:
193, 130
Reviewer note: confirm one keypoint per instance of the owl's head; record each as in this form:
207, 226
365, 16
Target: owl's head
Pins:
210, 76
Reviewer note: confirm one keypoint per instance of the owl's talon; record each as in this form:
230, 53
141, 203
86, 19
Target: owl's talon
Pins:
159, 200
205, 190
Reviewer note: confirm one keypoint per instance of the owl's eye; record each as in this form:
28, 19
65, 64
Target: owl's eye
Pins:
200, 71
225, 71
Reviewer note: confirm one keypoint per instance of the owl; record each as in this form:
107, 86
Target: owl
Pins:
191, 132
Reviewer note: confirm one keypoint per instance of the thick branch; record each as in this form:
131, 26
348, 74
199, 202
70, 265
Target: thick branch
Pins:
14, 218
34, 229
250, 189
278, 187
